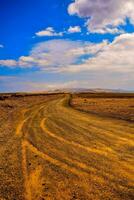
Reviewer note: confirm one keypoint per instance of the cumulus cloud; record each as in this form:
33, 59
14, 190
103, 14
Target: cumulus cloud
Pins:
103, 16
48, 32
116, 56
8, 63
66, 56
54, 54
74, 29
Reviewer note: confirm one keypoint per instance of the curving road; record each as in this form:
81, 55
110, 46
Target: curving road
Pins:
67, 154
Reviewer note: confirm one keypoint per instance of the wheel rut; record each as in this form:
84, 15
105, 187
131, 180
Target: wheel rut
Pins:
85, 169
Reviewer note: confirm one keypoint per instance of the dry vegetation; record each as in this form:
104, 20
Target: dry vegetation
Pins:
106, 104
51, 151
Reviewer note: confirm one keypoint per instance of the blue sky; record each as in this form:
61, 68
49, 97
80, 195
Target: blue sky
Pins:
63, 43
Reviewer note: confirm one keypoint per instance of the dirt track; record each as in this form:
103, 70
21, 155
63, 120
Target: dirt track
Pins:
67, 154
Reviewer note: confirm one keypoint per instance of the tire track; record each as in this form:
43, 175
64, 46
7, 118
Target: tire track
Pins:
53, 161
28, 195
25, 145
56, 162
24, 161
20, 125
19, 132
69, 164
75, 144
78, 164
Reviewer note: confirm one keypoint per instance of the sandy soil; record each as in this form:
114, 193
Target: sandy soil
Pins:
113, 106
51, 151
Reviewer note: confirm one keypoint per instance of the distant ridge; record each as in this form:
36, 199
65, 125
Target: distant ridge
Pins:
72, 90
94, 90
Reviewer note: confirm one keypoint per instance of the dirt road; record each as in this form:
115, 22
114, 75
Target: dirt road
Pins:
66, 154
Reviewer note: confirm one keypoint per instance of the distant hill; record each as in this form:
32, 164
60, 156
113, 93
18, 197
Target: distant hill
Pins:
70, 90
94, 90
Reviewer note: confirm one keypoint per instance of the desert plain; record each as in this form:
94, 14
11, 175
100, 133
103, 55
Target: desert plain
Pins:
67, 146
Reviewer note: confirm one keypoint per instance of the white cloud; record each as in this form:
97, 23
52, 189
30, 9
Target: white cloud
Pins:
109, 30
1, 46
74, 29
114, 57
54, 54
103, 15
67, 57
8, 63
48, 32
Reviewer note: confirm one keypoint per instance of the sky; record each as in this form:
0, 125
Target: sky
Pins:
57, 44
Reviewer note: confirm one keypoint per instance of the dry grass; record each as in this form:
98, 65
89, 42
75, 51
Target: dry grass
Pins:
51, 151
110, 105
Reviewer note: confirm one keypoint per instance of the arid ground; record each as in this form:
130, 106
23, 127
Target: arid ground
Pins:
65, 147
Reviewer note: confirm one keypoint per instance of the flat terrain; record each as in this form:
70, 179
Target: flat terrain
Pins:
51, 151
117, 105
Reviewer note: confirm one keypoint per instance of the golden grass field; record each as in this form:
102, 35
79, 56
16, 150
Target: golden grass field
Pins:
49, 150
